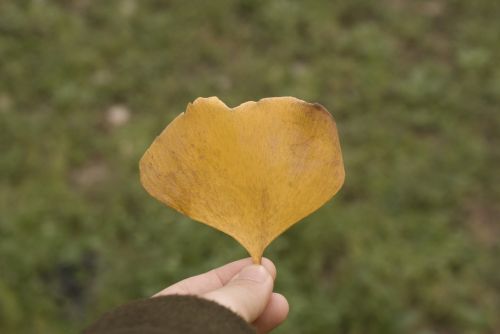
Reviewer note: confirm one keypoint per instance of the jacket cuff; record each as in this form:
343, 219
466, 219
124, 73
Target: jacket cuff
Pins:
174, 314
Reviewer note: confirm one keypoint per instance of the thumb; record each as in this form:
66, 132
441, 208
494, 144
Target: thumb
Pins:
247, 293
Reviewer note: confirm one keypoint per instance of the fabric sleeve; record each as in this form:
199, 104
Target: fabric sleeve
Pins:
173, 314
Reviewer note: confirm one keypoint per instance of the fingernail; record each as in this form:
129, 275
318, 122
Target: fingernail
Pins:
254, 273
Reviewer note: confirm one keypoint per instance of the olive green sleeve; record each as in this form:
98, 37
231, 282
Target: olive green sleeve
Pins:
170, 315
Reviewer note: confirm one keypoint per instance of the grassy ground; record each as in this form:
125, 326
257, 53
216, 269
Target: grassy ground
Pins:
411, 243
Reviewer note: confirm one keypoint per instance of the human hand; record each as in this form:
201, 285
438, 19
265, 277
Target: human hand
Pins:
241, 286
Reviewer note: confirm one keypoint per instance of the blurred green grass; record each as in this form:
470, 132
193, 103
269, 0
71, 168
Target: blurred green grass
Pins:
410, 245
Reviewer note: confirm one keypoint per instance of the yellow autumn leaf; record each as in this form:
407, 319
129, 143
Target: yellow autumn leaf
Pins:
251, 171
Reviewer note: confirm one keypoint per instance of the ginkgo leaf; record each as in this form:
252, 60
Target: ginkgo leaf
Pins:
251, 171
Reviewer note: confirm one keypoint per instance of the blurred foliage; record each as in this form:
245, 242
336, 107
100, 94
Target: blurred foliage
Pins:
410, 245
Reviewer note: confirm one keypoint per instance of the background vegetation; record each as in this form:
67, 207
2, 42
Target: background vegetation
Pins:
410, 245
